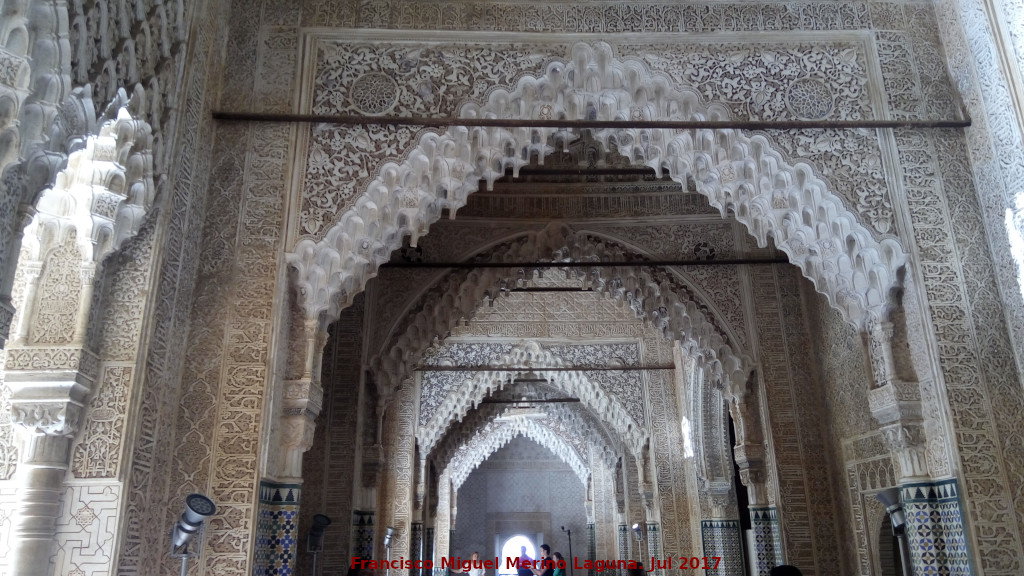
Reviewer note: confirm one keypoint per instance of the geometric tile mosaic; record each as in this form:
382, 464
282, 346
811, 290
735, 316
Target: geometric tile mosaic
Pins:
428, 548
654, 549
362, 534
416, 546
276, 526
722, 539
764, 523
935, 529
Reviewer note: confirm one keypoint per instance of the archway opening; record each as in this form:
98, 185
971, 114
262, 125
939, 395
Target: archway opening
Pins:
889, 550
520, 495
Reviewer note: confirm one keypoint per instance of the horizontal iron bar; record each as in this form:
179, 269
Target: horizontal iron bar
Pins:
534, 401
356, 120
535, 171
639, 263
573, 369
549, 289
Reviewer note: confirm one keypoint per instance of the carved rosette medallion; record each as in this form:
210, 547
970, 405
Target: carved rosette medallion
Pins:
374, 93
809, 99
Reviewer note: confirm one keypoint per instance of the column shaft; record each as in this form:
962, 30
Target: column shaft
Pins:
41, 479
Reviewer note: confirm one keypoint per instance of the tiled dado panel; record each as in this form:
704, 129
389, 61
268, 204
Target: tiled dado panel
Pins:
722, 540
935, 528
362, 534
767, 539
276, 527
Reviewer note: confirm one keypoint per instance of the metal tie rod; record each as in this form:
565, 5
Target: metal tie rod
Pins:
633, 264
531, 401
559, 369
359, 120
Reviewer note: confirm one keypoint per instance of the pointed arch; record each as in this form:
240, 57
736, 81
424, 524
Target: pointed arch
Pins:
744, 176
497, 434
650, 294
533, 357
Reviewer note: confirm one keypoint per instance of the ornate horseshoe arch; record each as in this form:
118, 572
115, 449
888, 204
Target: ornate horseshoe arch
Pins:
651, 295
569, 422
487, 441
532, 356
740, 175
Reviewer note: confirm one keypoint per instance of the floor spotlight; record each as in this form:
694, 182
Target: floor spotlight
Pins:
197, 509
638, 532
389, 534
315, 538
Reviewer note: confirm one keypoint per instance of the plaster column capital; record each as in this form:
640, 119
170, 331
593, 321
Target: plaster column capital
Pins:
50, 408
907, 442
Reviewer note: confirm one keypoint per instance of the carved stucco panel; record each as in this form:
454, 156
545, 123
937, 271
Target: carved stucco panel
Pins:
148, 480
818, 80
57, 301
974, 353
394, 495
851, 161
98, 453
8, 448
674, 474
994, 140
794, 419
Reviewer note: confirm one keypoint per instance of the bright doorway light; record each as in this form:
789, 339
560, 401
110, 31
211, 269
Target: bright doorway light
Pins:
511, 549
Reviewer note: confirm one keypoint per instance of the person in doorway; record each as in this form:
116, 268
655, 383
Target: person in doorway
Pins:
785, 570
476, 567
559, 561
525, 563
546, 566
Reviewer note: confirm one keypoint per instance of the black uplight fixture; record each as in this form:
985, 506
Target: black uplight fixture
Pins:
190, 527
315, 538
